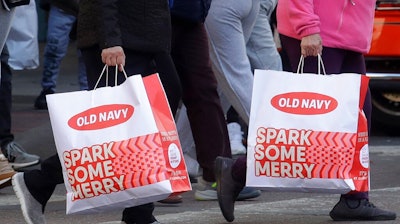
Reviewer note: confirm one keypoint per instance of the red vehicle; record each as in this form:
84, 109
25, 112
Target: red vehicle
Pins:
383, 65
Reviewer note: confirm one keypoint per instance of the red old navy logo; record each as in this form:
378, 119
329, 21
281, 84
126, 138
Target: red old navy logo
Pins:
304, 103
101, 117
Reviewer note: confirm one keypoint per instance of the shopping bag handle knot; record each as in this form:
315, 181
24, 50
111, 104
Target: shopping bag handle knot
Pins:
300, 67
105, 70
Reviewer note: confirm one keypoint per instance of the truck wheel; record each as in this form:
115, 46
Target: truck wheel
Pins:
386, 110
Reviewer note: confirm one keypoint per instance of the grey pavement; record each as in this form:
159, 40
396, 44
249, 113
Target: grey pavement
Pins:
33, 131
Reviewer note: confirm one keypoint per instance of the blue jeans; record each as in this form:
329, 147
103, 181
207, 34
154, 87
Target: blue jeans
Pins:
59, 27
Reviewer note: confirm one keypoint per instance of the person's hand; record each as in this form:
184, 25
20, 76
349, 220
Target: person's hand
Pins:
311, 45
113, 56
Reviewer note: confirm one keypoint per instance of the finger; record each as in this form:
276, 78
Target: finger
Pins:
304, 52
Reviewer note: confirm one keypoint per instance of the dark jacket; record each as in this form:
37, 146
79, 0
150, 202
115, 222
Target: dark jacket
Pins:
141, 25
191, 10
69, 6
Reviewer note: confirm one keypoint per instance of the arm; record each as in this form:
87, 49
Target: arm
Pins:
110, 41
307, 25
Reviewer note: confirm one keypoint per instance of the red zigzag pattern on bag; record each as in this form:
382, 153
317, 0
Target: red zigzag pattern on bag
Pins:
141, 160
333, 154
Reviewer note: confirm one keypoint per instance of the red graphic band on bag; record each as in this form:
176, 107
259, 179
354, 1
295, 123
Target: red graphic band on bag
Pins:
100, 117
303, 153
115, 166
304, 103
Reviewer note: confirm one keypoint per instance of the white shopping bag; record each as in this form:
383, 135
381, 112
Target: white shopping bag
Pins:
118, 146
308, 133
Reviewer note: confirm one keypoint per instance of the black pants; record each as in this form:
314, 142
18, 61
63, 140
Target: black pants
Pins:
191, 57
5, 99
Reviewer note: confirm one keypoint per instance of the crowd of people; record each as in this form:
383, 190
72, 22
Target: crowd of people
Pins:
205, 53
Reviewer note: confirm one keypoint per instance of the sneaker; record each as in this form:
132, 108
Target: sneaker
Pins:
6, 172
32, 210
236, 139
227, 188
172, 199
40, 102
17, 157
352, 210
207, 191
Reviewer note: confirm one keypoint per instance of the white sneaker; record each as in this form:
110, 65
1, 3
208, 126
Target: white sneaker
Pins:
205, 191
31, 208
236, 139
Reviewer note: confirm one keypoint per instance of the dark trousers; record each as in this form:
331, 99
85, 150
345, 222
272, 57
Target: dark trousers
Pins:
336, 61
5, 99
191, 57
41, 183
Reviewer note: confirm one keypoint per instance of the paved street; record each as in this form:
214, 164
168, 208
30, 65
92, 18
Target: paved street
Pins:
33, 131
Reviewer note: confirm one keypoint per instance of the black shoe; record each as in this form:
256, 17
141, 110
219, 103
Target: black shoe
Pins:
40, 102
351, 210
227, 188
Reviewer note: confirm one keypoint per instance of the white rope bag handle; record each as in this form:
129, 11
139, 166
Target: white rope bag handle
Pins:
300, 67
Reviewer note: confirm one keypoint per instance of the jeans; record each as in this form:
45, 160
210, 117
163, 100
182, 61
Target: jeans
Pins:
59, 27
229, 25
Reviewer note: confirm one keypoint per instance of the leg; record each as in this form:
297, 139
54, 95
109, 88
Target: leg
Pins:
35, 187
5, 100
59, 27
15, 154
200, 96
82, 78
229, 25
6, 19
261, 47
235, 132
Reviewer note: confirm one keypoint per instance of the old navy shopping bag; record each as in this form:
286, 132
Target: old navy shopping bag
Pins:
113, 152
308, 133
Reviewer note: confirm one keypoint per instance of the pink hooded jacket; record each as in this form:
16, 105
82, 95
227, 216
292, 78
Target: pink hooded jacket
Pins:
344, 24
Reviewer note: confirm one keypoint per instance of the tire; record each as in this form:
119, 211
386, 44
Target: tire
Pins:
386, 110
